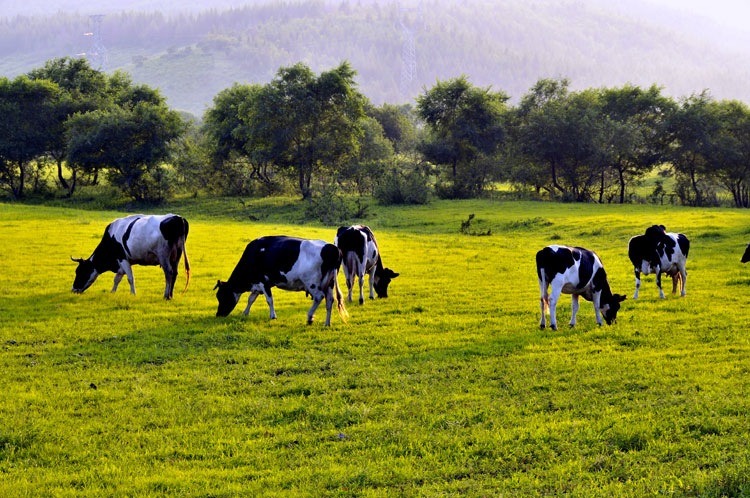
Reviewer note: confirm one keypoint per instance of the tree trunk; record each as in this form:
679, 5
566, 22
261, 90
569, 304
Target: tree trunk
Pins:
60, 175
73, 181
18, 191
601, 188
622, 184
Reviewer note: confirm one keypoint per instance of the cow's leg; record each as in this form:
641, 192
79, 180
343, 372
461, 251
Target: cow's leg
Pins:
554, 295
683, 275
597, 302
349, 274
269, 300
329, 305
675, 278
168, 278
658, 283
371, 279
574, 307
317, 298
125, 266
361, 275
543, 301
175, 266
118, 277
637, 282
250, 300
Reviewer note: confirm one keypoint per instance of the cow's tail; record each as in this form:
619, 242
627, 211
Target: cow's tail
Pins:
543, 288
339, 297
187, 266
185, 229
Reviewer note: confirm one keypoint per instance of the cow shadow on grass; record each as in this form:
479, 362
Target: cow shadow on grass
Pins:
69, 328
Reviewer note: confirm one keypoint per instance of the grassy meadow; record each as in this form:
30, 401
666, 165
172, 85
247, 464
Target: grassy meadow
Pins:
446, 388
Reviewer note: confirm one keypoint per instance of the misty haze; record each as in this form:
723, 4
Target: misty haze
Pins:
191, 53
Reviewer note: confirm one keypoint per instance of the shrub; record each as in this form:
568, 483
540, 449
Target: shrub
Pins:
398, 187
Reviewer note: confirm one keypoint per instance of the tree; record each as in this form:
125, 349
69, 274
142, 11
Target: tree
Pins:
308, 124
27, 110
82, 89
238, 156
398, 125
95, 141
690, 127
730, 150
465, 130
567, 133
638, 139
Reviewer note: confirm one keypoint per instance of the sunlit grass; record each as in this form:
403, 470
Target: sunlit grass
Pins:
448, 387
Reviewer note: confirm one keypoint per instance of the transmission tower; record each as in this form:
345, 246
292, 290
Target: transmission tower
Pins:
97, 54
408, 52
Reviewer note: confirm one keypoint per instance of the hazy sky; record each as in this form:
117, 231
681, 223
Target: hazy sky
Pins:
732, 12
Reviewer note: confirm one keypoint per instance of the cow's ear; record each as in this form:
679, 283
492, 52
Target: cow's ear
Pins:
218, 284
80, 260
663, 227
394, 274
620, 298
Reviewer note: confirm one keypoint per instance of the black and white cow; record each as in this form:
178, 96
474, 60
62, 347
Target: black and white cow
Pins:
746, 256
575, 271
361, 255
659, 252
137, 240
288, 263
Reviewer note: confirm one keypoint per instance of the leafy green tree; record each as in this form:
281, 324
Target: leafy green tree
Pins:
238, 155
466, 129
82, 89
26, 113
308, 124
730, 150
691, 127
398, 125
132, 143
638, 138
375, 151
567, 133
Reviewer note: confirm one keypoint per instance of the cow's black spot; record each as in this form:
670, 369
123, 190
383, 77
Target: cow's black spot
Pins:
127, 235
173, 228
746, 256
684, 244
331, 256
667, 247
553, 262
350, 240
586, 265
600, 280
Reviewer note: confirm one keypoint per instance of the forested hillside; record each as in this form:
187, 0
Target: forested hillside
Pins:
193, 55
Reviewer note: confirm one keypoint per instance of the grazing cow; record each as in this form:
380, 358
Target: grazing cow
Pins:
361, 255
137, 240
659, 252
746, 256
575, 271
288, 263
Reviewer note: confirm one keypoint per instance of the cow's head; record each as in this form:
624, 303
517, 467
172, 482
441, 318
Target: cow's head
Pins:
611, 307
85, 275
227, 298
656, 232
382, 279
746, 256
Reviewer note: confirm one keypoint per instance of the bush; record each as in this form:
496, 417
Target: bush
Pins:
331, 208
398, 187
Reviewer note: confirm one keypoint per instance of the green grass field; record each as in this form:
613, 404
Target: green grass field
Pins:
446, 388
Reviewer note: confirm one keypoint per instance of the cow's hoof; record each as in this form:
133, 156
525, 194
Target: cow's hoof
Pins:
542, 326
361, 301
553, 327
572, 325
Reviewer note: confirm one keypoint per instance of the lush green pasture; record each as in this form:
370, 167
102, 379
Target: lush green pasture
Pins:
446, 388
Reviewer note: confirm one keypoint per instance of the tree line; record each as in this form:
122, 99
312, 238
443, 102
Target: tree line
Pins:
318, 136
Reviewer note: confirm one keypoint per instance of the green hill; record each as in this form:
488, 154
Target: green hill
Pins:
192, 56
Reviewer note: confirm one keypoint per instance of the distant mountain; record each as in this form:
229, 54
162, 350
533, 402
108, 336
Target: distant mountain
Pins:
191, 55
